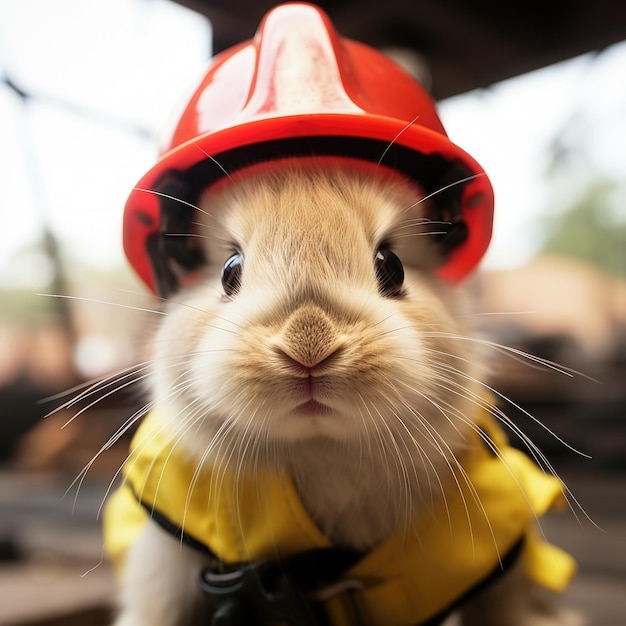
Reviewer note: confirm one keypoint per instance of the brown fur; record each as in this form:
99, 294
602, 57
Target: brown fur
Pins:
395, 374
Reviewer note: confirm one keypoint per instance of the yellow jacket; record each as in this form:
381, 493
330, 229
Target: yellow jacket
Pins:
411, 577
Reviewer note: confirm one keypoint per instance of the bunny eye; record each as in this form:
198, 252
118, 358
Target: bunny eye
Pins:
231, 274
389, 272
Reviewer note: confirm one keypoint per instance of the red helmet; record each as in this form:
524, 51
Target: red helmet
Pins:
298, 89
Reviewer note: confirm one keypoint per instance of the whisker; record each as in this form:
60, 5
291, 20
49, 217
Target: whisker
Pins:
420, 221
461, 181
215, 161
497, 313
424, 456
101, 385
139, 414
393, 141
89, 383
93, 403
96, 301
489, 442
170, 197
525, 412
430, 233
499, 415
80, 478
433, 438
192, 235
106, 383
551, 365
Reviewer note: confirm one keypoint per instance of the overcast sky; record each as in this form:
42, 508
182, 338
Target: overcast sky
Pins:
129, 64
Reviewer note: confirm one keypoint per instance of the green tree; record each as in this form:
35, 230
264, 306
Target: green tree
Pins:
591, 228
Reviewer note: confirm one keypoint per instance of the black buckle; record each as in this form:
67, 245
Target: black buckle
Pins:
290, 592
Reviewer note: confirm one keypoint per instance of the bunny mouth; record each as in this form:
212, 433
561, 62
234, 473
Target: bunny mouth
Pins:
313, 408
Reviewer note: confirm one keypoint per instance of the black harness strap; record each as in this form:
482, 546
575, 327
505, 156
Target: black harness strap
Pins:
279, 591
173, 529
264, 593
506, 563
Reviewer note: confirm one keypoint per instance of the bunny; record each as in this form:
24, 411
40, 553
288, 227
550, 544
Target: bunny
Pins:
320, 445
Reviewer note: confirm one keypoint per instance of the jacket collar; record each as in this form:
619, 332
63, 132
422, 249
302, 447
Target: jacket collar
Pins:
414, 575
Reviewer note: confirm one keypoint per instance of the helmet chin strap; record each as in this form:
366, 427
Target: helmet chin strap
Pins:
173, 250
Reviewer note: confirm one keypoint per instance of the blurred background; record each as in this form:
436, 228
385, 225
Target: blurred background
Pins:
535, 91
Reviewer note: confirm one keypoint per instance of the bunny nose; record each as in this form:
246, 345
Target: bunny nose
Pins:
309, 337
